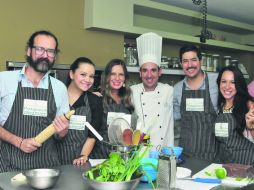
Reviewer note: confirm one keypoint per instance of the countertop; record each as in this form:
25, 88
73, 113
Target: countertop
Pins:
71, 177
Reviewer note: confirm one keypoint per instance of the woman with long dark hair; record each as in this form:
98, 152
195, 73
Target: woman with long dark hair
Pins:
79, 142
233, 99
116, 99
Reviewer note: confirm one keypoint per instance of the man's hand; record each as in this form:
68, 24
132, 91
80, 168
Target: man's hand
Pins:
29, 145
61, 125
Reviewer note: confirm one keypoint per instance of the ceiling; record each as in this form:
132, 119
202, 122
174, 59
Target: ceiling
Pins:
239, 10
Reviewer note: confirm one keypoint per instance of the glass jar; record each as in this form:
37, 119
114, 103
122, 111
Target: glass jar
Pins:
164, 62
131, 55
175, 62
170, 64
203, 58
227, 59
234, 62
215, 60
209, 63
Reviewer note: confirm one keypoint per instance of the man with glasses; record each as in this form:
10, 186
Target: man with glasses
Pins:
195, 105
30, 100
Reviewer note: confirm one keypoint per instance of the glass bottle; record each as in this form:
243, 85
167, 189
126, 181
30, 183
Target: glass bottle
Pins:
203, 67
209, 63
234, 62
215, 60
227, 59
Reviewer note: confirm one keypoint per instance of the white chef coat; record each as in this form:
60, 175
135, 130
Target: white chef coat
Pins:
155, 113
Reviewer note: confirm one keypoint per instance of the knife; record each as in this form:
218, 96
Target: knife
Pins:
203, 180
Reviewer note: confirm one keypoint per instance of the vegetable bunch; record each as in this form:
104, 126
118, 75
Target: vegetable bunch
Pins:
116, 169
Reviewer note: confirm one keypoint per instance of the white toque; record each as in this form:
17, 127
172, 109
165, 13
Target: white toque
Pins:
149, 47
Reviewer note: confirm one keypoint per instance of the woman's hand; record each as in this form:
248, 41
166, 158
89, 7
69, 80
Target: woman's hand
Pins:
249, 117
81, 160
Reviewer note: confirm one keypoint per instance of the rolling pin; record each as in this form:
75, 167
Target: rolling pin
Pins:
50, 130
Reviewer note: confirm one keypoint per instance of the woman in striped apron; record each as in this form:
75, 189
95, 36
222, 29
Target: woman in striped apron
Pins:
116, 99
79, 142
233, 147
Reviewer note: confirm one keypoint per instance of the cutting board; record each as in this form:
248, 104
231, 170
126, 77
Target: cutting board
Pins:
229, 181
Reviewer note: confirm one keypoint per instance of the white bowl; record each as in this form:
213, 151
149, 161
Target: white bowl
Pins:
183, 172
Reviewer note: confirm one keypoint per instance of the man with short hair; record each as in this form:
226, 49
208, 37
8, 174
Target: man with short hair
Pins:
153, 100
31, 100
195, 105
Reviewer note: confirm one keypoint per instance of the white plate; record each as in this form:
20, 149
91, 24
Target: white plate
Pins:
182, 172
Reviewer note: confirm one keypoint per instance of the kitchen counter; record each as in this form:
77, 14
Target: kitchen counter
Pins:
71, 177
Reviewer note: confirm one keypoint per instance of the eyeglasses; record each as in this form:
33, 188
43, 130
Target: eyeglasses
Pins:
41, 50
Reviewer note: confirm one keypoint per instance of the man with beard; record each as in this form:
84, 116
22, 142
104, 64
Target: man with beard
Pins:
30, 100
195, 105
153, 101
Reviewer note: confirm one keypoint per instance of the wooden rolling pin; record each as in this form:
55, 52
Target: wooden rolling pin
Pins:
50, 130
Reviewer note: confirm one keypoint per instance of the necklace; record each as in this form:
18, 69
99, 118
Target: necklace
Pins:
228, 110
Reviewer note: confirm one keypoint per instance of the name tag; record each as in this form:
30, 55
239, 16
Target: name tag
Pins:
221, 129
195, 104
114, 115
77, 122
35, 108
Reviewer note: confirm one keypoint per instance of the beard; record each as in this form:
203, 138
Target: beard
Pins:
41, 65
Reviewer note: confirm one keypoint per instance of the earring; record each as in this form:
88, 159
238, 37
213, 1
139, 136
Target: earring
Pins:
123, 84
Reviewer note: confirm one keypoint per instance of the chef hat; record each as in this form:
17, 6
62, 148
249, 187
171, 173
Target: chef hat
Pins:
251, 88
149, 48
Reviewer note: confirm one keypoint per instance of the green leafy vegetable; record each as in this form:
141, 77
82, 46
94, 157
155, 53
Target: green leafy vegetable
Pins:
115, 169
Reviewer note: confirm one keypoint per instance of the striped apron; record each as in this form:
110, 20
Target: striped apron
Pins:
101, 149
71, 146
197, 134
27, 126
235, 148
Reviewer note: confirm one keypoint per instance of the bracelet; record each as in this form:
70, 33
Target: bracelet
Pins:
21, 143
83, 155
66, 117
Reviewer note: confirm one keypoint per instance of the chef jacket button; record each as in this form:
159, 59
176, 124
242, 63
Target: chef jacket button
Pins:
159, 103
161, 138
158, 92
160, 126
142, 93
143, 104
158, 115
145, 115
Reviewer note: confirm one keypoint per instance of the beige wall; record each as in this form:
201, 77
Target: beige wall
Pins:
65, 18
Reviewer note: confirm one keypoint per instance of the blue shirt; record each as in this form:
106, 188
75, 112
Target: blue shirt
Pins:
213, 90
9, 85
